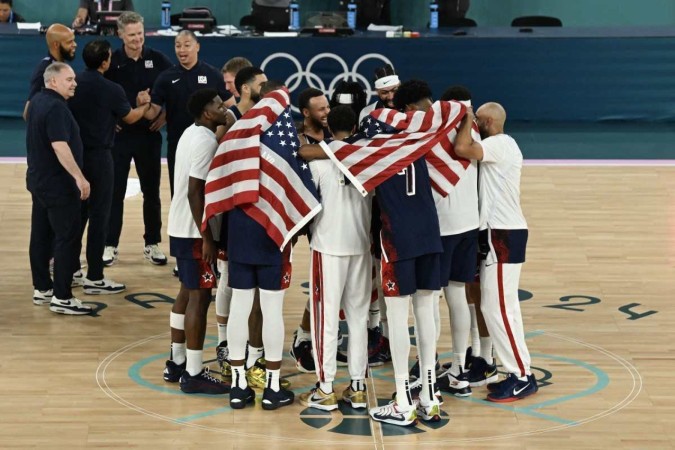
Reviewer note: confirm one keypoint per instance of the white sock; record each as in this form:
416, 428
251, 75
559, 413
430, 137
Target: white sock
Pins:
427, 392
178, 352
437, 314
399, 339
222, 332
374, 314
475, 335
460, 320
272, 306
403, 398
273, 379
195, 362
253, 354
358, 385
423, 308
486, 349
237, 329
326, 387
239, 377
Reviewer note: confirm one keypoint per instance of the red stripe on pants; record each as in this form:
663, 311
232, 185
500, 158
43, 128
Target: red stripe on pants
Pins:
317, 300
505, 319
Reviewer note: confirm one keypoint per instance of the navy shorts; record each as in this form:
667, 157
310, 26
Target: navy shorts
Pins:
405, 277
251, 276
458, 260
193, 271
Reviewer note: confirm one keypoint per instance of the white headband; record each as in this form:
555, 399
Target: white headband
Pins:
385, 82
345, 99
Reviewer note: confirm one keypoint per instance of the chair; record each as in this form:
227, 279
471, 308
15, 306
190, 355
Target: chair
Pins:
456, 22
536, 21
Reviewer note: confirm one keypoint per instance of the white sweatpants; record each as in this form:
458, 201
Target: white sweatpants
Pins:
336, 281
501, 309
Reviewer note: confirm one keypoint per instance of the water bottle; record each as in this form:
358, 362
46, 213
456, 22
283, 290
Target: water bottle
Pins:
433, 19
166, 14
351, 14
295, 15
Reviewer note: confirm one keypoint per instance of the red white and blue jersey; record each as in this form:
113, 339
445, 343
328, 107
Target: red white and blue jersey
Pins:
408, 213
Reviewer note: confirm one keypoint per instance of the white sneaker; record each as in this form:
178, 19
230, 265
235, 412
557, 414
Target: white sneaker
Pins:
42, 297
110, 255
153, 254
104, 286
72, 306
430, 412
78, 279
392, 413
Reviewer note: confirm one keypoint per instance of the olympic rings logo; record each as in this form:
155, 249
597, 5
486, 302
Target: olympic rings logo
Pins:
295, 79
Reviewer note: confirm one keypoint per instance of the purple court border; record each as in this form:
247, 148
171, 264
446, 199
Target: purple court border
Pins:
528, 162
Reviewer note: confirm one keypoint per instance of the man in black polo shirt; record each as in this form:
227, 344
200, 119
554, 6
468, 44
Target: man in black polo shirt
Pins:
136, 67
61, 45
57, 185
98, 105
175, 85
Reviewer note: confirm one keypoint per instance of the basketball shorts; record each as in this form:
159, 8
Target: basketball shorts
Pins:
458, 260
251, 276
405, 277
193, 271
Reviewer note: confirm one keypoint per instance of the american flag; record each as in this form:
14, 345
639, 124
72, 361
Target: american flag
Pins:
257, 169
390, 141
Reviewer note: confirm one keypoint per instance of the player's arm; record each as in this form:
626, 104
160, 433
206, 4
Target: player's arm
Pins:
196, 199
136, 114
310, 152
465, 146
65, 157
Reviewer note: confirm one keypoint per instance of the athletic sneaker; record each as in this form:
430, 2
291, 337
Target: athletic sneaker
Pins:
374, 335
110, 255
356, 399
482, 373
381, 354
428, 413
416, 388
78, 279
468, 360
512, 389
318, 399
392, 413
301, 352
256, 376
457, 385
173, 371
223, 358
42, 297
276, 399
239, 397
102, 287
153, 254
71, 306
174, 272
341, 359
203, 383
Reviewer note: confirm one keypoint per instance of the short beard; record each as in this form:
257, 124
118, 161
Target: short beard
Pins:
255, 97
65, 54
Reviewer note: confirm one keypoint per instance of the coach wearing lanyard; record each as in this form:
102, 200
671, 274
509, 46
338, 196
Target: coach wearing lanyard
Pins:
135, 67
88, 8
174, 87
98, 105
57, 186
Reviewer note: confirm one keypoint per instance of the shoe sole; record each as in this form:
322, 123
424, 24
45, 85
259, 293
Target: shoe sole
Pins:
157, 263
489, 380
319, 406
199, 391
75, 284
353, 404
242, 404
397, 422
376, 364
68, 312
40, 301
272, 406
97, 291
508, 399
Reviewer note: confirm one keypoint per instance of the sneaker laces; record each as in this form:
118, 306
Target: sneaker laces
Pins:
154, 251
207, 374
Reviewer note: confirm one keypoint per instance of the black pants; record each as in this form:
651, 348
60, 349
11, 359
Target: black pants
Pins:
98, 170
55, 231
145, 149
171, 160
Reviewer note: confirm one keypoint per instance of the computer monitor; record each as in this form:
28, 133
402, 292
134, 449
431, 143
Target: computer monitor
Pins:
201, 24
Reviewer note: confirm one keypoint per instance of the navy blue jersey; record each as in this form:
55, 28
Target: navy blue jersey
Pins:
97, 106
50, 120
408, 214
248, 242
234, 109
136, 76
37, 81
173, 88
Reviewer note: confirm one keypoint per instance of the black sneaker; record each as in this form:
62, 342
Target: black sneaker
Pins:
457, 385
341, 358
173, 371
301, 352
482, 373
275, 399
239, 397
374, 335
381, 355
202, 383
223, 358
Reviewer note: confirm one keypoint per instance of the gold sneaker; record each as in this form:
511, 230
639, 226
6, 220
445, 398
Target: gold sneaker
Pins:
357, 399
256, 376
316, 398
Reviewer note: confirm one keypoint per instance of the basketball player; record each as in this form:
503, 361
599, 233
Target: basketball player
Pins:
339, 275
195, 251
230, 70
386, 85
502, 240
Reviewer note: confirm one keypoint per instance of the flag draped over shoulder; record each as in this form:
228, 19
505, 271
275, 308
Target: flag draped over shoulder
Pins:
390, 141
256, 169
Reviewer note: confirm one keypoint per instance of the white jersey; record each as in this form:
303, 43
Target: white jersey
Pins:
342, 228
499, 188
194, 154
458, 212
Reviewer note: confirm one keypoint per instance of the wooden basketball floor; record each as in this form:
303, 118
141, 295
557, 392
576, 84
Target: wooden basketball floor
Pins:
597, 291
